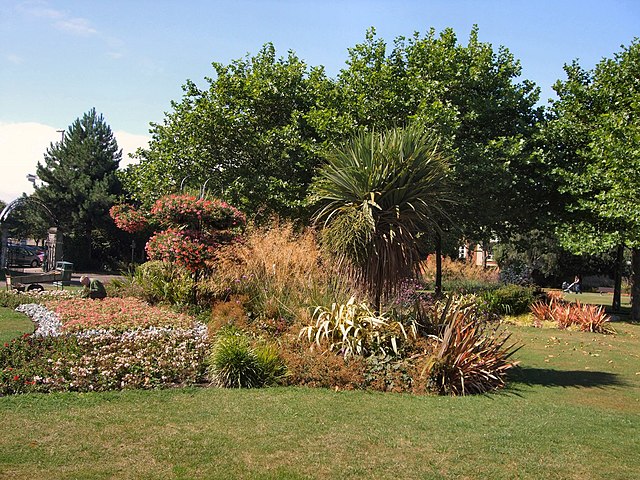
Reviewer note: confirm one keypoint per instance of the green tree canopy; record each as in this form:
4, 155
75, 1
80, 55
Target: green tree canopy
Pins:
593, 138
245, 136
257, 132
470, 96
80, 185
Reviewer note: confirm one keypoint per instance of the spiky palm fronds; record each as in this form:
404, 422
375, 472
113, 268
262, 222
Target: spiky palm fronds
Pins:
378, 194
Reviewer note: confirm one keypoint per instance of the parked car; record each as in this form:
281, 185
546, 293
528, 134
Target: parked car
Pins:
24, 256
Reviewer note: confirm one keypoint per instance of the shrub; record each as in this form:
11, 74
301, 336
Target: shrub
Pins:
470, 356
516, 274
588, 318
270, 363
390, 374
312, 367
157, 282
593, 319
128, 218
509, 299
541, 312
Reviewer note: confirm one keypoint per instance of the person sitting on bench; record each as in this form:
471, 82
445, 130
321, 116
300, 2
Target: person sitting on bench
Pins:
92, 288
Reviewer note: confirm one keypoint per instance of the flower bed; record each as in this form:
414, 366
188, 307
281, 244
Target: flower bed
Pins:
87, 345
117, 314
104, 360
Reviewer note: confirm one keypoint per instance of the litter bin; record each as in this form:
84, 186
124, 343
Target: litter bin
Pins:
66, 269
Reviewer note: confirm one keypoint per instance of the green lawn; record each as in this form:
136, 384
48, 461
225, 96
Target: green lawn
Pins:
572, 412
13, 324
605, 299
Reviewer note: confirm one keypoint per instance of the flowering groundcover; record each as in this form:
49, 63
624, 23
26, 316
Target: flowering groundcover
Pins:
113, 313
87, 345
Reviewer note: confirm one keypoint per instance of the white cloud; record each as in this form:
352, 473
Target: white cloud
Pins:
76, 26
129, 143
15, 59
60, 20
22, 145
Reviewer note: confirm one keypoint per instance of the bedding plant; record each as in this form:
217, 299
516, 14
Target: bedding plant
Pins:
115, 343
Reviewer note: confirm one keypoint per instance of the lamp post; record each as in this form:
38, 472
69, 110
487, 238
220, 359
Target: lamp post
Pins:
32, 178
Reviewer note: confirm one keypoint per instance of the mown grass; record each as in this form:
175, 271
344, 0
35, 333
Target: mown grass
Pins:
13, 324
571, 412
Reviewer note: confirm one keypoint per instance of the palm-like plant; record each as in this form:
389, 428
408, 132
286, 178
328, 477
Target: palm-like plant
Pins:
378, 194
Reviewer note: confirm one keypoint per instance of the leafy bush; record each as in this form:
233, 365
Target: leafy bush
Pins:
509, 299
470, 357
312, 367
157, 282
391, 374
516, 274
234, 363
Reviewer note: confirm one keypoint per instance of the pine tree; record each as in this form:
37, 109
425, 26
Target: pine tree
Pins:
80, 185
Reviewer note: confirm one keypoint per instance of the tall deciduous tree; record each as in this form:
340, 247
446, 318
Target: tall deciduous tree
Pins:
594, 139
245, 136
80, 185
468, 94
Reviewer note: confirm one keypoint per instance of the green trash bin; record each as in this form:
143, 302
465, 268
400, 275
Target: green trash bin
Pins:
66, 268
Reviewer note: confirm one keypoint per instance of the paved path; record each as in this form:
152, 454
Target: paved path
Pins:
75, 276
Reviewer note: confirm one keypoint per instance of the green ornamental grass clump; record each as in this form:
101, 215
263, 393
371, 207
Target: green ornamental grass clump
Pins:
235, 363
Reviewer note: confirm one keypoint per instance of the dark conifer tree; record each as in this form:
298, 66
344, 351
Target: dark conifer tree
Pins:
80, 185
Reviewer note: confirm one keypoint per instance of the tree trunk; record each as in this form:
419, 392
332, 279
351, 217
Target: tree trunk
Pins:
485, 254
635, 284
438, 287
617, 286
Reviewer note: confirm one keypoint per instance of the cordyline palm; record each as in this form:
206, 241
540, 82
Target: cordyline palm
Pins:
379, 193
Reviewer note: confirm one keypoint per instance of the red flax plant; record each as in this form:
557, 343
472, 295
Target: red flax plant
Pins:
588, 318
471, 356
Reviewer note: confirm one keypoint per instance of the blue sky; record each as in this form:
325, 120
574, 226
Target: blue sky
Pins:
129, 58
